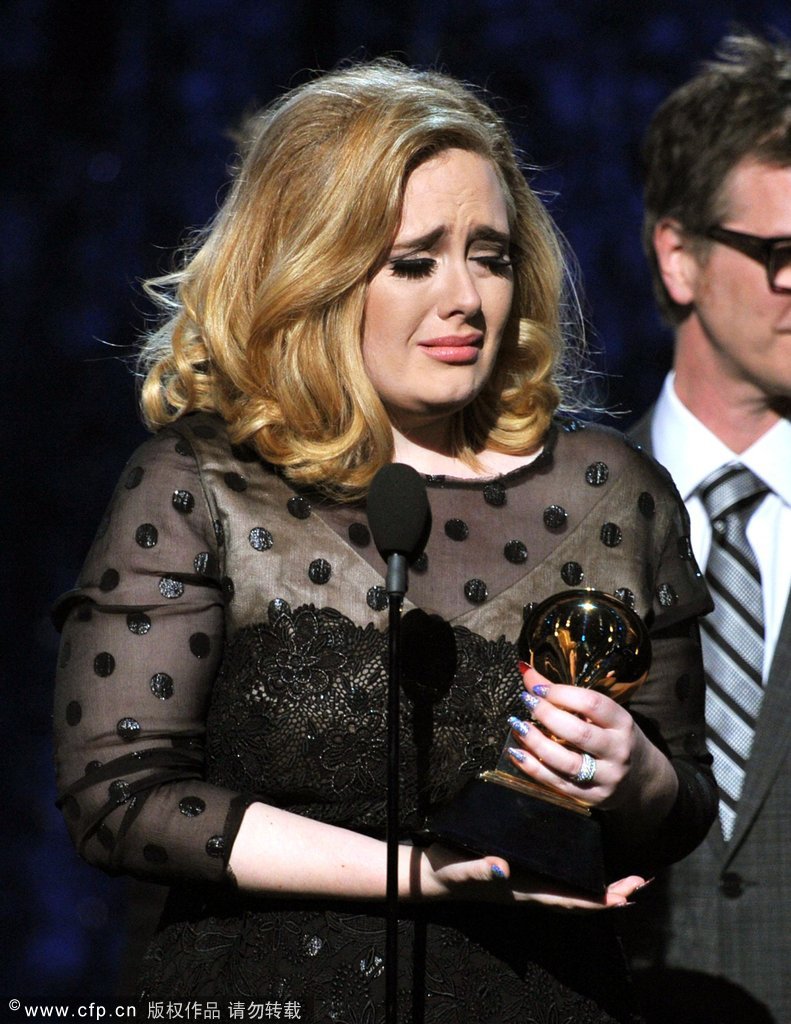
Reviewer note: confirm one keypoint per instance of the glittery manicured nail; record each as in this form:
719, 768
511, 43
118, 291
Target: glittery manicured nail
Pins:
517, 755
529, 700
518, 725
540, 690
497, 871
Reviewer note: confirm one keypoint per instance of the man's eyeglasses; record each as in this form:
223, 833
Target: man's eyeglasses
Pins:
773, 253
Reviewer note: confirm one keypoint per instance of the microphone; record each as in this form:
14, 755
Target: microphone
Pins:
400, 520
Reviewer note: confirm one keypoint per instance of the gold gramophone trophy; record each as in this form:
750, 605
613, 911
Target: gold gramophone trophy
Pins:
578, 637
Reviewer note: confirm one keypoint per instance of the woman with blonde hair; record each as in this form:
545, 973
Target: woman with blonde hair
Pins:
380, 284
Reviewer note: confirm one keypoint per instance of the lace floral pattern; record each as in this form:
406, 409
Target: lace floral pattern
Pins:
454, 970
298, 718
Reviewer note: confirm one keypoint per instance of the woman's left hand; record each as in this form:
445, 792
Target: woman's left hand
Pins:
588, 748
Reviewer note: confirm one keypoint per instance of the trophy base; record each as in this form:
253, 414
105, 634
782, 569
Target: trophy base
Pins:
532, 833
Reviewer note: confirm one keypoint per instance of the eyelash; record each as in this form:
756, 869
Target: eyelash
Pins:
415, 269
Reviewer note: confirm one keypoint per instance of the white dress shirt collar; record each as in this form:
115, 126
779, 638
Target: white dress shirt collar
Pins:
691, 451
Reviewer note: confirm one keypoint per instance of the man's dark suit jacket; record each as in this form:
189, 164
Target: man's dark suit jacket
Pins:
723, 915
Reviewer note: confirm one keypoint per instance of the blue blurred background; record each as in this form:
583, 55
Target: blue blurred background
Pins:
115, 141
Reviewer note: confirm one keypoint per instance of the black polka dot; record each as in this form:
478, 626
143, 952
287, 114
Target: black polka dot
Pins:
666, 595
319, 570
133, 478
110, 580
205, 431
204, 563
192, 806
71, 808
183, 447
92, 766
104, 664
515, 551
421, 563
73, 712
236, 482
215, 847
572, 573
457, 529
495, 494
155, 854
105, 837
170, 588
684, 549
119, 791
200, 645
646, 504
298, 507
244, 453
611, 535
228, 589
138, 623
219, 532
146, 535
683, 686
161, 685
128, 729
625, 596
376, 598
278, 607
555, 517
359, 534
183, 502
597, 474
260, 539
476, 591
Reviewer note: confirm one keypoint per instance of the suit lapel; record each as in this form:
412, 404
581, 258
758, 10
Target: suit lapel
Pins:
772, 736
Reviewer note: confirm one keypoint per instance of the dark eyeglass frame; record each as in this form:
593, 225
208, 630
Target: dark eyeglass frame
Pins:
764, 250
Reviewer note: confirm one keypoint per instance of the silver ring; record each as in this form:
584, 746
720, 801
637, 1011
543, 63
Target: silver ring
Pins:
587, 772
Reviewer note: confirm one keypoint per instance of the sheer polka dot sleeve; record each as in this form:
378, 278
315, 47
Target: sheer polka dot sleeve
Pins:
142, 637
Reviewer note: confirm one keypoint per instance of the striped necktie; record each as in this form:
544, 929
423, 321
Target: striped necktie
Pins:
733, 635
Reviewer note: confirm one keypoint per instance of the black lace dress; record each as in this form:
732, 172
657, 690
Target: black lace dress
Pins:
227, 643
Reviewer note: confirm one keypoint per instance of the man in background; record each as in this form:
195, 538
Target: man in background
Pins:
718, 236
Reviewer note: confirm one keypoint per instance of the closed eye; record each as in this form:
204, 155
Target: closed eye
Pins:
413, 268
501, 266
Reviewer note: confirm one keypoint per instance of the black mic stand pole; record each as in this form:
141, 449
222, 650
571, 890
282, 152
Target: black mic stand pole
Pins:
396, 586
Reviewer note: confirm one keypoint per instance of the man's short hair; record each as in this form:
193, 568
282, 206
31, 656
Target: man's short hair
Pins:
738, 106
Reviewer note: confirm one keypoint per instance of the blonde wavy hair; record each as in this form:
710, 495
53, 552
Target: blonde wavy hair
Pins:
263, 322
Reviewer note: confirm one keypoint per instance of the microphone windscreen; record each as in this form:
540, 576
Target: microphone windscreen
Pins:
398, 511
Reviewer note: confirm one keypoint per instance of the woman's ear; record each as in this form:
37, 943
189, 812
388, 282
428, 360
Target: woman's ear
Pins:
677, 264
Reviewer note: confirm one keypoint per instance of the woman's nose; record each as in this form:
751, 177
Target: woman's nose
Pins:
458, 291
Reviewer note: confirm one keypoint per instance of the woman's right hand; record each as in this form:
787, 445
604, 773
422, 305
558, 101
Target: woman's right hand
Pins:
437, 872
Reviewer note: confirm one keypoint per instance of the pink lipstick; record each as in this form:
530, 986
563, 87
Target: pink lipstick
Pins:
455, 349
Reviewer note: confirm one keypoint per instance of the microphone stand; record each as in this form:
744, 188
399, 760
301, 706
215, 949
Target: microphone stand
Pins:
396, 586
